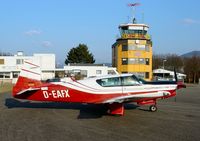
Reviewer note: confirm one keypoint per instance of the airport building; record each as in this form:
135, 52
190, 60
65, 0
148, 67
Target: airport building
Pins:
89, 70
166, 75
132, 51
10, 67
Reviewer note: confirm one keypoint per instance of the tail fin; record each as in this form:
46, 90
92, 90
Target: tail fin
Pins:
179, 83
30, 77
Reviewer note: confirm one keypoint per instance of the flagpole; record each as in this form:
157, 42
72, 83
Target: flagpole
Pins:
133, 14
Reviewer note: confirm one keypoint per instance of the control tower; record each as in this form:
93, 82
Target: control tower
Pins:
132, 51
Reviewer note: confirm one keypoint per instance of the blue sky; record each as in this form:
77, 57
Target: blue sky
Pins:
55, 26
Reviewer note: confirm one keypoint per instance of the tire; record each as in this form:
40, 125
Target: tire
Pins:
153, 108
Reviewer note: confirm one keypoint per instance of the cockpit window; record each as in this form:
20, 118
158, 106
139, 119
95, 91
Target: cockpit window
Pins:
130, 81
109, 82
119, 81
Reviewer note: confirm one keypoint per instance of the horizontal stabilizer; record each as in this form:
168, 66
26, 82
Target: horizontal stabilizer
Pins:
27, 90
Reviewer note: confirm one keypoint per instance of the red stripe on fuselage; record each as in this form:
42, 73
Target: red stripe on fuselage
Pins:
85, 85
88, 88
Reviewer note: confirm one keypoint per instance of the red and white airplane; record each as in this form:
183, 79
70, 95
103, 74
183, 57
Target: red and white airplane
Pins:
112, 90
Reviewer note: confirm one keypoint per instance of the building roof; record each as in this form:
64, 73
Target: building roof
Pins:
131, 24
78, 64
167, 72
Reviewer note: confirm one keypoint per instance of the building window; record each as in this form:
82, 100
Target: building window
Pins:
147, 61
140, 47
137, 41
1, 61
1, 75
98, 72
135, 47
141, 61
149, 42
147, 48
109, 82
111, 72
84, 73
124, 47
147, 75
131, 47
139, 74
132, 61
124, 61
136, 61
19, 61
124, 72
15, 74
78, 74
4, 74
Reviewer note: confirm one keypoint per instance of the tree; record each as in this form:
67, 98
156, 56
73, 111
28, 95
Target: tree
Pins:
5, 54
157, 61
80, 54
192, 68
172, 60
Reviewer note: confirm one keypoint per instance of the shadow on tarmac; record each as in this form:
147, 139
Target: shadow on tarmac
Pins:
87, 111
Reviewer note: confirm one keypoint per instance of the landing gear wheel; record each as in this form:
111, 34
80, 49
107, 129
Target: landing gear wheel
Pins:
153, 108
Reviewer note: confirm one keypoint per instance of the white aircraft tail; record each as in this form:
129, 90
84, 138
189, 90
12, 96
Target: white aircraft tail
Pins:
31, 70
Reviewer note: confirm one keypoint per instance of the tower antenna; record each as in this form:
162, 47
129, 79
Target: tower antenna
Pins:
142, 17
133, 5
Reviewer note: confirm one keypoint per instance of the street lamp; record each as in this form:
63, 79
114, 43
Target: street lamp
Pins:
164, 66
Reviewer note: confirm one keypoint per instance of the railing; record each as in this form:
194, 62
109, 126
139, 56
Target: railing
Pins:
136, 36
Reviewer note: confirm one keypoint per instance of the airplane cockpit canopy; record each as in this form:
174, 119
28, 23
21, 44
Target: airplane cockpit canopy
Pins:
131, 80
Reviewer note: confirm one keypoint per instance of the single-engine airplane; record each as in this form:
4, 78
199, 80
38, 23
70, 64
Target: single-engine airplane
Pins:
111, 90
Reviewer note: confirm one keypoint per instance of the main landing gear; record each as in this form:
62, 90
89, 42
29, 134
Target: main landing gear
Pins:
153, 108
116, 109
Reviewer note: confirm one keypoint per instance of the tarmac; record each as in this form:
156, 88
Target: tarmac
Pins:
177, 119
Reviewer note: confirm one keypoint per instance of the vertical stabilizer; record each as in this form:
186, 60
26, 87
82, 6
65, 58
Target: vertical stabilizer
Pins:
30, 77
31, 70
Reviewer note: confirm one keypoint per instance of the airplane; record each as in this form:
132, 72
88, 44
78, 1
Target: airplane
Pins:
111, 90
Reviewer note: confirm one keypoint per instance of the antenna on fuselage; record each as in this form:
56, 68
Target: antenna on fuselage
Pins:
176, 79
175, 75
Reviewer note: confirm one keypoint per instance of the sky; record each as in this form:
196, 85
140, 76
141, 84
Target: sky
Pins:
55, 26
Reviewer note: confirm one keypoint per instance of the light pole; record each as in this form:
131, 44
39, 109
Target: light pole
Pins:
164, 67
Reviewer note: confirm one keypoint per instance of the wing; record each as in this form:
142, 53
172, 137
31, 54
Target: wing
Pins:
131, 97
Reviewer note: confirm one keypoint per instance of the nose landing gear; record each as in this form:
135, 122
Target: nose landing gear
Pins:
152, 103
153, 108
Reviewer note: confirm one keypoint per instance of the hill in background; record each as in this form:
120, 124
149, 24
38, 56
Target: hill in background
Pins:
190, 54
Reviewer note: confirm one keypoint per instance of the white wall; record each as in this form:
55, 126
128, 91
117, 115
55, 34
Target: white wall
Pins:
91, 70
45, 61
